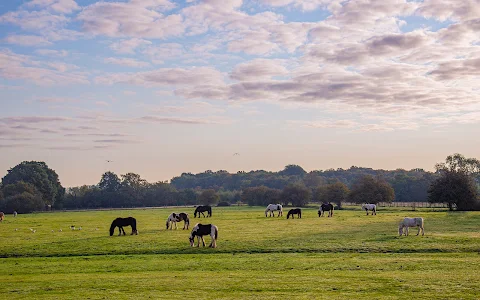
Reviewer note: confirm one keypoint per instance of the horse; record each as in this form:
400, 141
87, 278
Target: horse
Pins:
410, 222
371, 207
325, 207
14, 213
200, 230
296, 211
120, 222
201, 209
271, 208
173, 218
2, 216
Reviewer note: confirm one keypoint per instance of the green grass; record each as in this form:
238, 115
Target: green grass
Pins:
347, 256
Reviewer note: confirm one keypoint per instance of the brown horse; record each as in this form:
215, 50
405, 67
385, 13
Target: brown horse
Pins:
2, 216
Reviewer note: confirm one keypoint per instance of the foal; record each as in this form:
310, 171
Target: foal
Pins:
200, 230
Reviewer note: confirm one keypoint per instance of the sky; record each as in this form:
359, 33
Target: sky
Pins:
159, 87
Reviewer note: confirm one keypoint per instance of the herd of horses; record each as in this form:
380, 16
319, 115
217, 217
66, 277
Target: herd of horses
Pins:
200, 230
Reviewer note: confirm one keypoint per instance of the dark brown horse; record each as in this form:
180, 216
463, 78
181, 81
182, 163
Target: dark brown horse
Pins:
120, 222
201, 209
296, 211
2, 216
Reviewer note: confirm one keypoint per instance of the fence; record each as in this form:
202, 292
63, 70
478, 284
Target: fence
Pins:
408, 204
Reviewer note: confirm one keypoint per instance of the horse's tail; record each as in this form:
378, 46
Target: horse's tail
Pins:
216, 232
210, 211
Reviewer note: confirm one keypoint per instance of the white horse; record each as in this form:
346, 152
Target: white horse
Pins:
371, 207
271, 208
200, 230
410, 222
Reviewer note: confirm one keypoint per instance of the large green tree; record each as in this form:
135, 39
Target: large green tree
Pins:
208, 197
335, 192
369, 189
22, 197
109, 182
297, 194
456, 184
38, 174
260, 195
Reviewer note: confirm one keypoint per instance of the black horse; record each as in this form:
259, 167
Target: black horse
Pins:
296, 211
326, 207
201, 209
120, 222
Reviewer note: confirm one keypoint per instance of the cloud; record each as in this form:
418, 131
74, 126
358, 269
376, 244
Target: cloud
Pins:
34, 20
305, 5
454, 70
166, 77
59, 6
32, 120
135, 19
185, 121
258, 69
52, 53
449, 9
128, 46
27, 40
127, 62
56, 100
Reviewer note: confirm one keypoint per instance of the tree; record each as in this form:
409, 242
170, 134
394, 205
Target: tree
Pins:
297, 194
44, 179
336, 192
22, 197
260, 195
109, 182
209, 197
293, 170
369, 189
456, 183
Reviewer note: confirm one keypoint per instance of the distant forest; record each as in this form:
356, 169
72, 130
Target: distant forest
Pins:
32, 186
409, 186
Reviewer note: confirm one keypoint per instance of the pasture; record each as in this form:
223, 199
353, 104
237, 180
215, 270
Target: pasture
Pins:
350, 255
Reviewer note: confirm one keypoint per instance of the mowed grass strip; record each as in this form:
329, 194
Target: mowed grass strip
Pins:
241, 230
244, 276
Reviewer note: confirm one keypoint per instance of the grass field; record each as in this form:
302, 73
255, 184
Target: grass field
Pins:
348, 256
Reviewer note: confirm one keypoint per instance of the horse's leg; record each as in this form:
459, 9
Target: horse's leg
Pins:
203, 242
406, 231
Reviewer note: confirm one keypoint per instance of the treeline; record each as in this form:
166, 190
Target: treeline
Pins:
32, 186
409, 186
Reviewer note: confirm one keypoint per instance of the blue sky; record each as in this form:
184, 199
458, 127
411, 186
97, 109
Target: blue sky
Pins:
163, 87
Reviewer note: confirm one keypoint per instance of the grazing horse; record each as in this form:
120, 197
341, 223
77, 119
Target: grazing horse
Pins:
326, 207
200, 230
120, 222
201, 209
410, 222
296, 211
173, 218
371, 207
2, 216
14, 213
271, 208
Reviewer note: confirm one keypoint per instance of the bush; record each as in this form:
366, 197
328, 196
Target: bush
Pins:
223, 203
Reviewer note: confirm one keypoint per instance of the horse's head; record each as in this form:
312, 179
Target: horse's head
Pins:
112, 229
191, 239
167, 223
400, 229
